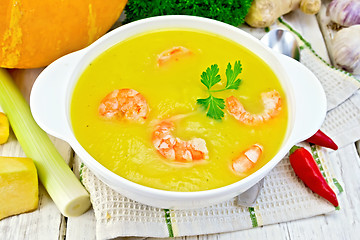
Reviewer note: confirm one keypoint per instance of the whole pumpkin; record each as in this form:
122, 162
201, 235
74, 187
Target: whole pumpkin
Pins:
33, 33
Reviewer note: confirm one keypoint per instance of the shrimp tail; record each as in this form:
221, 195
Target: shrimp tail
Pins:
173, 54
247, 159
175, 149
272, 106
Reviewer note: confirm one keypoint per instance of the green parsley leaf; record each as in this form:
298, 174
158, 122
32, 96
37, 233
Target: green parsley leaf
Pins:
211, 76
231, 75
204, 102
215, 108
229, 11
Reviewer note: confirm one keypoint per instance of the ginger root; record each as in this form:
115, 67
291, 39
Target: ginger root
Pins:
263, 13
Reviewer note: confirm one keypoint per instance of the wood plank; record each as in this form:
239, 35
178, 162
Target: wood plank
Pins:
276, 231
82, 227
24, 79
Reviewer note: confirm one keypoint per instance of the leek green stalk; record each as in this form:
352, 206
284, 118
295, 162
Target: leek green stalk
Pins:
60, 182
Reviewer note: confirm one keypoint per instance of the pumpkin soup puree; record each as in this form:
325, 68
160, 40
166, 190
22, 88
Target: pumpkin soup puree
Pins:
171, 91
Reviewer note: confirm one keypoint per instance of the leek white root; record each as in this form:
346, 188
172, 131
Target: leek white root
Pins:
60, 182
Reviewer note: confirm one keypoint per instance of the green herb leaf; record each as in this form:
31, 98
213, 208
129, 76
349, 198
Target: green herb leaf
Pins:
232, 12
214, 106
204, 102
231, 75
211, 77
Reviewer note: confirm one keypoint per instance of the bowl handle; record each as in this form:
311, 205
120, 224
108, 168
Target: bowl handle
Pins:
310, 99
48, 96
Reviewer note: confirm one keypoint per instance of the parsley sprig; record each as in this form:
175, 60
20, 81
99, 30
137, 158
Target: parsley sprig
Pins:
232, 12
209, 78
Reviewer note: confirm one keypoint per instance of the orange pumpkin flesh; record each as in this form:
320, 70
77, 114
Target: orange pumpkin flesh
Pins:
33, 33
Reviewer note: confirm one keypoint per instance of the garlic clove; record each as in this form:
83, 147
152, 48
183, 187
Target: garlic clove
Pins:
344, 12
346, 49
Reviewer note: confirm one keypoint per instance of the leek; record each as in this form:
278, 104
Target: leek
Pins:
64, 188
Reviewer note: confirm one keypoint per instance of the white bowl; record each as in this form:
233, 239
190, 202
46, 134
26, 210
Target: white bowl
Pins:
52, 91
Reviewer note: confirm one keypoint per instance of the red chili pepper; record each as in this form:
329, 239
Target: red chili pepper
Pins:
307, 170
321, 139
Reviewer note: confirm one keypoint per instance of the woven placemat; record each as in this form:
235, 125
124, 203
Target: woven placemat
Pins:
283, 198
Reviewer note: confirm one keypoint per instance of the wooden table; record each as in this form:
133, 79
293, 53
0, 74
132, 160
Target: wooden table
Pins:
48, 223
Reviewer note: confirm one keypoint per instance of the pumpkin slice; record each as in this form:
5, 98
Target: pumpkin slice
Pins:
4, 128
18, 186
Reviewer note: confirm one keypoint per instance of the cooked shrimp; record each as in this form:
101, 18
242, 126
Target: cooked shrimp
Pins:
124, 103
247, 159
173, 148
173, 54
272, 106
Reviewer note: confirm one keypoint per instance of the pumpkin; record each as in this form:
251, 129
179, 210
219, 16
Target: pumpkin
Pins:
33, 33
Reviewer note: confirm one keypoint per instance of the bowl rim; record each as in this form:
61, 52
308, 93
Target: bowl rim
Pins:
167, 194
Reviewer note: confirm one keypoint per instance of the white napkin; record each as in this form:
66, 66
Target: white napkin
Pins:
283, 197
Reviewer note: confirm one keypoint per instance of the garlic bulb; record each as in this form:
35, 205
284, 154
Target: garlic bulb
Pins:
344, 12
346, 49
